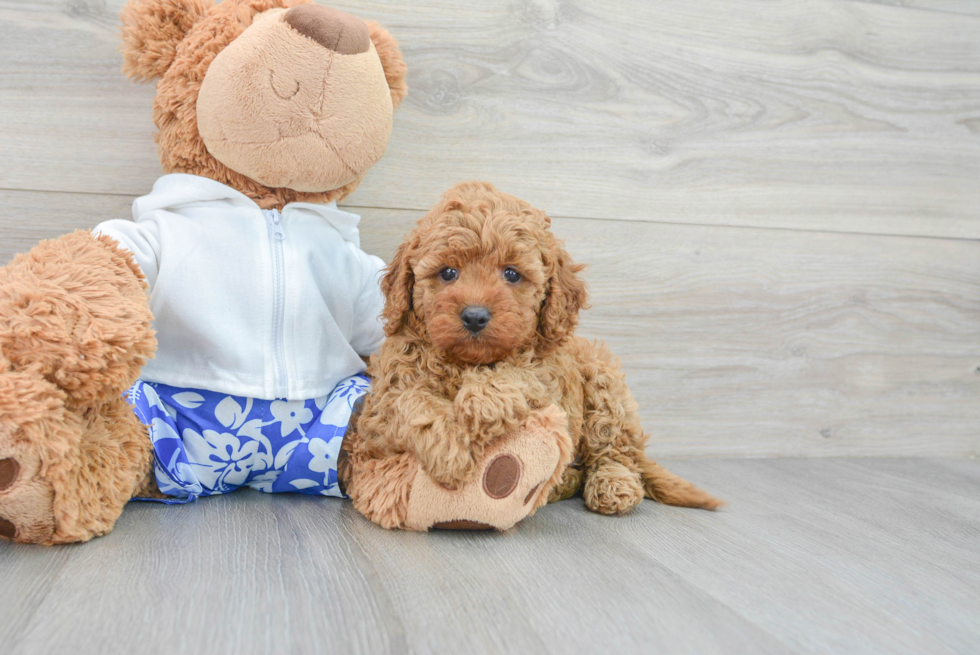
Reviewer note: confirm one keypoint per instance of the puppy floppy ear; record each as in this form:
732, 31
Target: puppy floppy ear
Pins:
151, 30
565, 295
398, 285
391, 61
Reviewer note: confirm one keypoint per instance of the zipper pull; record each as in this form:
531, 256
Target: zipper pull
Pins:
275, 222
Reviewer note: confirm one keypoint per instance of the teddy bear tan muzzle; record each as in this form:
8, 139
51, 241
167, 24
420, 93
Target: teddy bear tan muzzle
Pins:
299, 100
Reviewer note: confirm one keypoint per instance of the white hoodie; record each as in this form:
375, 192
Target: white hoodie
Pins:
247, 301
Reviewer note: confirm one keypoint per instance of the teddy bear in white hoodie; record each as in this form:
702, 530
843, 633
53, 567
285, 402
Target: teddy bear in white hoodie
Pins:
238, 273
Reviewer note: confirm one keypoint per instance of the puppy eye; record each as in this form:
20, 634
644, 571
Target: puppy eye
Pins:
511, 275
448, 274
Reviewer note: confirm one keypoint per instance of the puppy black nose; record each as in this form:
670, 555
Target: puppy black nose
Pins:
475, 318
331, 28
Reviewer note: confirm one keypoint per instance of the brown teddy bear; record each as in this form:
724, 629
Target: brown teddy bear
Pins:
217, 341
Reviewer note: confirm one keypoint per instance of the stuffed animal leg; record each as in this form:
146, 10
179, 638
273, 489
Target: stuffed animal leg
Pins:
74, 333
516, 474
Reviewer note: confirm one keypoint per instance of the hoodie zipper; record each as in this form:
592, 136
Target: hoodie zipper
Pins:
276, 236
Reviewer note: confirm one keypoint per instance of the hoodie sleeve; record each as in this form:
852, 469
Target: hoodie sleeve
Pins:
368, 331
141, 239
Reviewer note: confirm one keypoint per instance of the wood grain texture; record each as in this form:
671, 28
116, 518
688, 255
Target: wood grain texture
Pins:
739, 341
814, 556
27, 217
830, 114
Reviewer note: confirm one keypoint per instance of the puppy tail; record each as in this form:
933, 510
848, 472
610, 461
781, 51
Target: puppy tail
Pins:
669, 489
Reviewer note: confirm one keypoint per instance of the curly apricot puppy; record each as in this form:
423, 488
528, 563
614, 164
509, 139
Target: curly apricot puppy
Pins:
481, 304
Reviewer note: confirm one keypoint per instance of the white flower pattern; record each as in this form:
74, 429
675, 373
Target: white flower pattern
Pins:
207, 443
220, 459
291, 414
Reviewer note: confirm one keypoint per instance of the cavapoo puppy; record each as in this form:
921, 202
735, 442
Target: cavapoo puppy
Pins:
482, 302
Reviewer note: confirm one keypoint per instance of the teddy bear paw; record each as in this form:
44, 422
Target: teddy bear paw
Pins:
26, 499
516, 474
30, 414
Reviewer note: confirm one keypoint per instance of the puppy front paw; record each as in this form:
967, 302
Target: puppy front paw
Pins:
570, 484
611, 488
489, 412
449, 463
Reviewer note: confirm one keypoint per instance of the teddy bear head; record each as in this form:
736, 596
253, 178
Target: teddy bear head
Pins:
283, 100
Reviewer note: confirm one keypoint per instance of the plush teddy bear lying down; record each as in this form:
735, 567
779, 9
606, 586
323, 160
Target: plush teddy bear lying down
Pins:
216, 341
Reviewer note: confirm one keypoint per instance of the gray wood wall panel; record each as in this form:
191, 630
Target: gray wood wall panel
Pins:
830, 114
711, 161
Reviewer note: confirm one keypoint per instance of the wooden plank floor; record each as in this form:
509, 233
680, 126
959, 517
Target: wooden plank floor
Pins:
812, 556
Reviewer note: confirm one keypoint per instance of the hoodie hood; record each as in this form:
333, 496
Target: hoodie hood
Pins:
177, 190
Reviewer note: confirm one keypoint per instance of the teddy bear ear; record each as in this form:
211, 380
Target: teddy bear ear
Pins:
151, 30
391, 60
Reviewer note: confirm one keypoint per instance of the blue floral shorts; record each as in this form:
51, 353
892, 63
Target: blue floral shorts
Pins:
208, 443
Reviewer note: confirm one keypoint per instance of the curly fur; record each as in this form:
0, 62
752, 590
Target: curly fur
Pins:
444, 394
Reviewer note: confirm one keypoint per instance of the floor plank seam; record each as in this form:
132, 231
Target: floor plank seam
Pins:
609, 219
